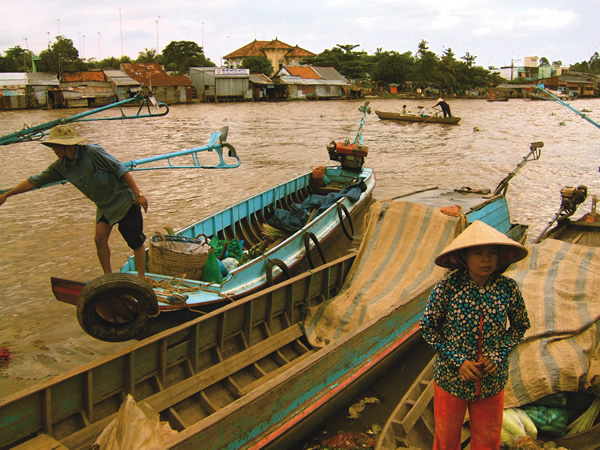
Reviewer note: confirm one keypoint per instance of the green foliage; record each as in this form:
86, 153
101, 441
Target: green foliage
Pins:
353, 65
591, 66
179, 56
147, 56
15, 60
61, 57
258, 64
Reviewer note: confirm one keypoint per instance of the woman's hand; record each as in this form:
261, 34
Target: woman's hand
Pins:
487, 365
469, 371
472, 371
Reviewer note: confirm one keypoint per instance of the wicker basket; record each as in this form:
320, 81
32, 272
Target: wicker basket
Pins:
166, 256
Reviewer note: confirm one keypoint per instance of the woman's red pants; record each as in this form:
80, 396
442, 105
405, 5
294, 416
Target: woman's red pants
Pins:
485, 418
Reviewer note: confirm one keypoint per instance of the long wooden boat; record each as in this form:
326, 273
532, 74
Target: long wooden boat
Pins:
584, 230
386, 115
348, 189
249, 374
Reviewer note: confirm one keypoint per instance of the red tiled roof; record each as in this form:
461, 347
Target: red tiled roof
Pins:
256, 48
153, 74
306, 73
84, 76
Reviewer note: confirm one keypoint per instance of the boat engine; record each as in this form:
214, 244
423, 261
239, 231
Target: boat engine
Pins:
571, 198
351, 156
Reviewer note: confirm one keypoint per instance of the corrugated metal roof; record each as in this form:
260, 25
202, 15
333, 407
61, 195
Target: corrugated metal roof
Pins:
42, 79
84, 76
287, 79
13, 79
153, 74
329, 73
259, 78
303, 72
120, 78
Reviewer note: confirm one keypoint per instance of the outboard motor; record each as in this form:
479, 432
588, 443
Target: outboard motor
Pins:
351, 156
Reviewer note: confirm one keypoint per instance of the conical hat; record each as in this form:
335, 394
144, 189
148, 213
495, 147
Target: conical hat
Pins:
479, 233
63, 135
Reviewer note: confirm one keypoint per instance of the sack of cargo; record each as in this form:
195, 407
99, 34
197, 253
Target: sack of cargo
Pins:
178, 256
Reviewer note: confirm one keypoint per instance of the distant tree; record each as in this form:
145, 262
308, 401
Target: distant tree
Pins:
179, 56
16, 59
425, 71
558, 63
147, 56
351, 64
448, 67
61, 57
469, 59
544, 62
258, 64
391, 67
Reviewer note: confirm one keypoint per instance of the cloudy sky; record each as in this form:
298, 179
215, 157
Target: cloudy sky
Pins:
494, 31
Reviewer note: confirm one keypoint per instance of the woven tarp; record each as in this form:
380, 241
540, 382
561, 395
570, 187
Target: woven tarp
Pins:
560, 283
395, 264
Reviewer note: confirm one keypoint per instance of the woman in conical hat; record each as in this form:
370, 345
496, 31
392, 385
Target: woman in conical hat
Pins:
474, 318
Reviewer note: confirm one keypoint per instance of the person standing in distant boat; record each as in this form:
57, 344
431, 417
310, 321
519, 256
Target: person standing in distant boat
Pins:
445, 107
474, 318
105, 181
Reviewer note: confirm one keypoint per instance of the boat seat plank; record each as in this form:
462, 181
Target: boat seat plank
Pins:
419, 406
41, 441
178, 392
250, 387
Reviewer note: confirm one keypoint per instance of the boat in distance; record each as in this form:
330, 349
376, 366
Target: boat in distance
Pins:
264, 370
400, 117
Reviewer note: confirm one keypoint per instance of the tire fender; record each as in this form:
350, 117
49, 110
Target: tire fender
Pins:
123, 288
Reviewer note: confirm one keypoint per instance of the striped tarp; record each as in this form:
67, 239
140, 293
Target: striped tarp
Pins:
394, 265
560, 283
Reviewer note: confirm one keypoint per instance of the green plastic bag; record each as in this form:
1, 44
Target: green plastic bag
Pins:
551, 421
211, 272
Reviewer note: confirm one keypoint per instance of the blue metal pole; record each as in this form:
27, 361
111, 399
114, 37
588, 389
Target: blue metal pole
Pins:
543, 89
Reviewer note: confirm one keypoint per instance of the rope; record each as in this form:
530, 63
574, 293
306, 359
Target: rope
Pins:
173, 291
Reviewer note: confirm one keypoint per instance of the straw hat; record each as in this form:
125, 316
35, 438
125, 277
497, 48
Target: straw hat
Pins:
440, 99
63, 135
479, 233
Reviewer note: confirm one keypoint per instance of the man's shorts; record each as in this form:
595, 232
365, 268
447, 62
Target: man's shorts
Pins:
131, 227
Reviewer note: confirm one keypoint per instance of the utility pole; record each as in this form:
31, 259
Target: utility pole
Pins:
121, 28
98, 46
157, 50
512, 67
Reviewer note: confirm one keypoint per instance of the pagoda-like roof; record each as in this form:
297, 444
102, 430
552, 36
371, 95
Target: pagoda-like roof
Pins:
257, 48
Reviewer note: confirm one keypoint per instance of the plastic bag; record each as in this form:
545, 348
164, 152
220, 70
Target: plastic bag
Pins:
137, 426
515, 424
548, 420
212, 271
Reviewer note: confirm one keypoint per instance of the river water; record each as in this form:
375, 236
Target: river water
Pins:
49, 232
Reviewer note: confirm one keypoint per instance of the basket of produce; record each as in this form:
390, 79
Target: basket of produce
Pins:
178, 256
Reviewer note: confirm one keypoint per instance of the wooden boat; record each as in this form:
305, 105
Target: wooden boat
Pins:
411, 424
248, 375
583, 231
386, 115
349, 189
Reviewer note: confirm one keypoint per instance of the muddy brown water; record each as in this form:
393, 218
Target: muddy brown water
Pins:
49, 232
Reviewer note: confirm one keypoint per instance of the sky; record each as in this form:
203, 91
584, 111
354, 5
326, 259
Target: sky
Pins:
497, 33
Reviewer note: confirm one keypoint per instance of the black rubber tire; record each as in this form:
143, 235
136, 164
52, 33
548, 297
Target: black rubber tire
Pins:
309, 236
342, 209
279, 263
110, 286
